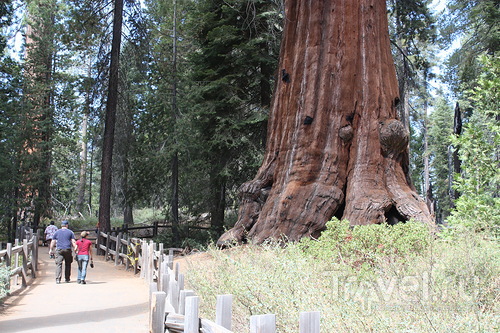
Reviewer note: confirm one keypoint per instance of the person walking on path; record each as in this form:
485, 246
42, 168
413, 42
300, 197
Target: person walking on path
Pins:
84, 252
49, 233
64, 242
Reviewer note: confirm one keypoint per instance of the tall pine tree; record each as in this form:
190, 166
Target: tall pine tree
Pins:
234, 63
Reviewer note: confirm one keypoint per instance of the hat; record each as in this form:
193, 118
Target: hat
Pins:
84, 234
64, 222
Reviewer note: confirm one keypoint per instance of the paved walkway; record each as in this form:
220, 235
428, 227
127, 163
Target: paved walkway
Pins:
113, 300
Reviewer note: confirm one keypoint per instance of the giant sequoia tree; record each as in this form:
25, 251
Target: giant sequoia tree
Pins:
38, 124
335, 146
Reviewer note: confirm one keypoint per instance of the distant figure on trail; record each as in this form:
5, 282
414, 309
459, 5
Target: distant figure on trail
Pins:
64, 242
84, 252
49, 233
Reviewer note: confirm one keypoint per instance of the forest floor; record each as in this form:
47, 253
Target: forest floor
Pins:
113, 300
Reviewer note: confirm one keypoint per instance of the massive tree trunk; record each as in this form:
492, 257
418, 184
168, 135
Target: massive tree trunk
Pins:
335, 147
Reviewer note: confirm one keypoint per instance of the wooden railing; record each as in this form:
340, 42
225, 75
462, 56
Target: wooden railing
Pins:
21, 258
172, 308
121, 249
153, 230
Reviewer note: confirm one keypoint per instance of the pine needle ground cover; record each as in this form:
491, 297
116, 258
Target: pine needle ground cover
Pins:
372, 278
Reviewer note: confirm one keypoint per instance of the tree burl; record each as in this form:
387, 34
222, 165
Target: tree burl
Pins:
334, 145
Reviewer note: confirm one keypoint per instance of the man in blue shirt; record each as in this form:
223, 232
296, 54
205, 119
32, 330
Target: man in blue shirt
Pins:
64, 242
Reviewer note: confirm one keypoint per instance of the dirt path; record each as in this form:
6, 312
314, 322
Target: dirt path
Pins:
113, 300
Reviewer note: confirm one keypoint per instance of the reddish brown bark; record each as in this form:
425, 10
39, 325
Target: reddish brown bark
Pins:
39, 53
351, 160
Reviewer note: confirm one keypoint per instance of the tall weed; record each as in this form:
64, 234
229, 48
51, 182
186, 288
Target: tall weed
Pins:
373, 278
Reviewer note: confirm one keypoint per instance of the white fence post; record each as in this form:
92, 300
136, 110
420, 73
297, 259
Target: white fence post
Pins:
117, 248
25, 263
182, 300
151, 260
160, 266
309, 322
173, 294
157, 320
16, 263
34, 256
152, 288
180, 281
224, 311
127, 258
165, 282
171, 258
144, 259
8, 262
191, 318
108, 243
263, 323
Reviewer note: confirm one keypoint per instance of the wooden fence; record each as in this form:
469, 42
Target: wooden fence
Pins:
21, 258
121, 249
174, 309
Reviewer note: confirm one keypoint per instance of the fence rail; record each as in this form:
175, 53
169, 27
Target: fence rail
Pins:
172, 308
21, 258
155, 229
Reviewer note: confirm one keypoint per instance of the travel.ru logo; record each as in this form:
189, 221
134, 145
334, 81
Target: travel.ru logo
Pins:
406, 292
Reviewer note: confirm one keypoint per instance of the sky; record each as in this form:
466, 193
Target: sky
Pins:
438, 5
442, 55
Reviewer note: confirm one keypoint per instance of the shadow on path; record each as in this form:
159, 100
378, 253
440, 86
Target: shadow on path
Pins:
72, 318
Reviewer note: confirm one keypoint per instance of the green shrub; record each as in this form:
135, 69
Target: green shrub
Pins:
477, 213
365, 246
4, 280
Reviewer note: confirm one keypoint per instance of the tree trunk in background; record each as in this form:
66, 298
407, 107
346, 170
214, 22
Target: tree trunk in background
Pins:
109, 125
218, 204
80, 203
128, 206
429, 198
176, 237
457, 130
335, 147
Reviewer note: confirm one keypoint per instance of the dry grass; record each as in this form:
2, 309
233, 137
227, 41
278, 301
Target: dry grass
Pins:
453, 286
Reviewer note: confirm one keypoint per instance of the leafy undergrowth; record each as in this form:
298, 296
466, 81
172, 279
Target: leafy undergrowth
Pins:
4, 281
373, 278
